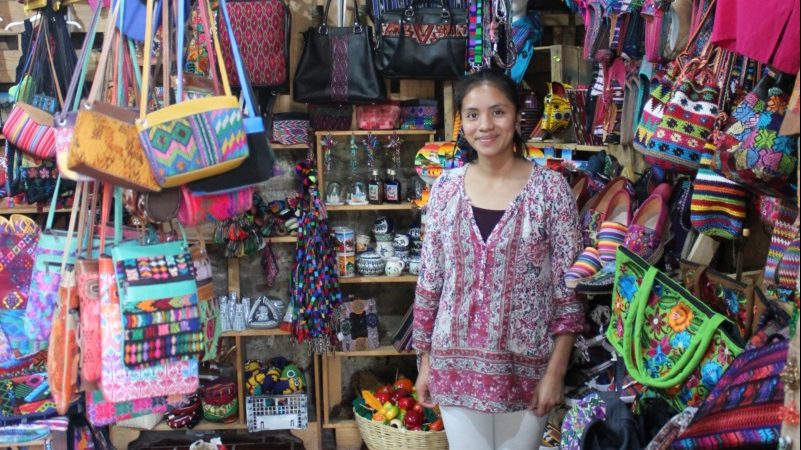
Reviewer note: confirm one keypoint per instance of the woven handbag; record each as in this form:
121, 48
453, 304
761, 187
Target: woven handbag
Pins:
330, 117
419, 114
23, 388
743, 410
31, 130
17, 255
379, 116
654, 108
262, 29
717, 205
291, 128
670, 341
192, 139
105, 144
196, 209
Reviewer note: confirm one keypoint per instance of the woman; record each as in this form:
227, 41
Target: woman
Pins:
493, 319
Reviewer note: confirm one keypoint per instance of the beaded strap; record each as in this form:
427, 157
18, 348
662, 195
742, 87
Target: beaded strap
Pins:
783, 258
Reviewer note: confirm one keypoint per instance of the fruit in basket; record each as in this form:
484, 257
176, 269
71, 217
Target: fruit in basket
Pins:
403, 383
371, 400
384, 389
406, 403
437, 425
383, 397
390, 411
413, 420
379, 417
399, 394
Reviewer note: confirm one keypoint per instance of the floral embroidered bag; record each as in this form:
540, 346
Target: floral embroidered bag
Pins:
670, 341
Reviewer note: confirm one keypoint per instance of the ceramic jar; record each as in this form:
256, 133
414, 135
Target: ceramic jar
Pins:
382, 224
370, 264
400, 242
385, 249
414, 264
394, 267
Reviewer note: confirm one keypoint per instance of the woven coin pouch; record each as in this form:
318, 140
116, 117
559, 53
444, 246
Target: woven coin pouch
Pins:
291, 128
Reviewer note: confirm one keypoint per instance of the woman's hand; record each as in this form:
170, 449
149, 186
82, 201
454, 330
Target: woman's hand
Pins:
421, 384
550, 392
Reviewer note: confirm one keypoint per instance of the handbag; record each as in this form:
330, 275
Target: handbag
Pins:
196, 209
64, 121
336, 65
259, 164
717, 205
17, 255
24, 390
419, 42
380, 116
212, 327
192, 139
330, 117
654, 108
357, 324
743, 410
102, 412
735, 299
670, 341
762, 158
420, 114
119, 382
46, 276
290, 128
263, 31
105, 144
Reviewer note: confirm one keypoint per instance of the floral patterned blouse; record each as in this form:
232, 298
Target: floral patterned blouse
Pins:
487, 313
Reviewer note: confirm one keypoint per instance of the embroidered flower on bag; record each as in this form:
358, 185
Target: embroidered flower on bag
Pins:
627, 287
711, 372
681, 340
656, 321
675, 137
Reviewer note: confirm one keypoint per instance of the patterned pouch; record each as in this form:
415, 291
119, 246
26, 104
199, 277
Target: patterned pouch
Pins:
357, 324
654, 108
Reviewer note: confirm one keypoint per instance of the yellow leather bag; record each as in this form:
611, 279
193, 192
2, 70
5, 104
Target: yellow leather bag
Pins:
192, 139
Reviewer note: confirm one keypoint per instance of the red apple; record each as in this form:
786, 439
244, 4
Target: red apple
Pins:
406, 403
400, 393
413, 419
419, 408
385, 388
383, 397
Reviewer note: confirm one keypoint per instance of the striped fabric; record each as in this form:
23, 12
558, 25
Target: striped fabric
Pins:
291, 132
585, 266
28, 134
717, 207
610, 236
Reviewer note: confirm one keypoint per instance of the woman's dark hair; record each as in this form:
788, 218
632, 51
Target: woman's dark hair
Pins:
503, 83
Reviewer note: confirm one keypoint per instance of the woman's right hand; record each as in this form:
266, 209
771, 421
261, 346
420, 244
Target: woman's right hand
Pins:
421, 385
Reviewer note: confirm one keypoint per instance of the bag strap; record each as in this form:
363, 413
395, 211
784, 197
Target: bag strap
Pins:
102, 65
71, 227
252, 120
784, 232
79, 75
53, 74
632, 340
147, 67
323, 27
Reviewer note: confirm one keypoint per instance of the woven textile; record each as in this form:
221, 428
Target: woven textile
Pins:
743, 409
654, 108
610, 236
31, 130
289, 131
717, 207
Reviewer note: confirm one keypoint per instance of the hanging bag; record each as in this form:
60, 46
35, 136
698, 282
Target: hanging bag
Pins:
336, 65
420, 42
263, 30
669, 340
104, 129
258, 167
192, 139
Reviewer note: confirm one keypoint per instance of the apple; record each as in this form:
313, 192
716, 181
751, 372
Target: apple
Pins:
406, 403
400, 393
418, 407
383, 397
385, 388
413, 419
403, 383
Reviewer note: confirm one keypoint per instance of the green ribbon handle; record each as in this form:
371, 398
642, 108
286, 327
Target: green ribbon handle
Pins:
632, 340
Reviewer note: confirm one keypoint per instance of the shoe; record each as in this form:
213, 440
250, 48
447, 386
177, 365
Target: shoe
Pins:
648, 229
581, 190
595, 210
602, 282
587, 264
611, 236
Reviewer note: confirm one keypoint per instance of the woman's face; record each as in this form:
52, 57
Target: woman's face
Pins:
489, 120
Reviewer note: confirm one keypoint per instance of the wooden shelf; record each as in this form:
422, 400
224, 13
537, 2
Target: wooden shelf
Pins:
204, 425
380, 279
376, 133
289, 147
384, 350
29, 209
256, 332
382, 207
207, 230
568, 145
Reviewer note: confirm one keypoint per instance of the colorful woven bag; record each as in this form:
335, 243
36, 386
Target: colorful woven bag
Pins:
31, 130
196, 209
654, 108
262, 30
192, 139
717, 206
379, 116
670, 341
743, 410
421, 114
330, 117
291, 128
17, 256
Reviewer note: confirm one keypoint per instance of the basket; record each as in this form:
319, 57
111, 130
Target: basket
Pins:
378, 436
276, 412
146, 422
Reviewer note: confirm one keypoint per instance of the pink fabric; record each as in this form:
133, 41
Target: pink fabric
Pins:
765, 30
503, 301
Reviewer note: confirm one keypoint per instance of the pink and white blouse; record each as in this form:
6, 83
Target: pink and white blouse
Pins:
488, 312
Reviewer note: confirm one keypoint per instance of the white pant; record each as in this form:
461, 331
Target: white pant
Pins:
468, 429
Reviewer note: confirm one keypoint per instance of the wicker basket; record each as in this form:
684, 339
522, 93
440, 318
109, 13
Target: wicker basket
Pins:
378, 436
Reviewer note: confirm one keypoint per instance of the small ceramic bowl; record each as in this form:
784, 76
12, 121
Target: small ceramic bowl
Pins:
370, 264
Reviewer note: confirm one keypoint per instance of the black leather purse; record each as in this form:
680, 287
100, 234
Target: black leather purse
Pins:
337, 65
418, 42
